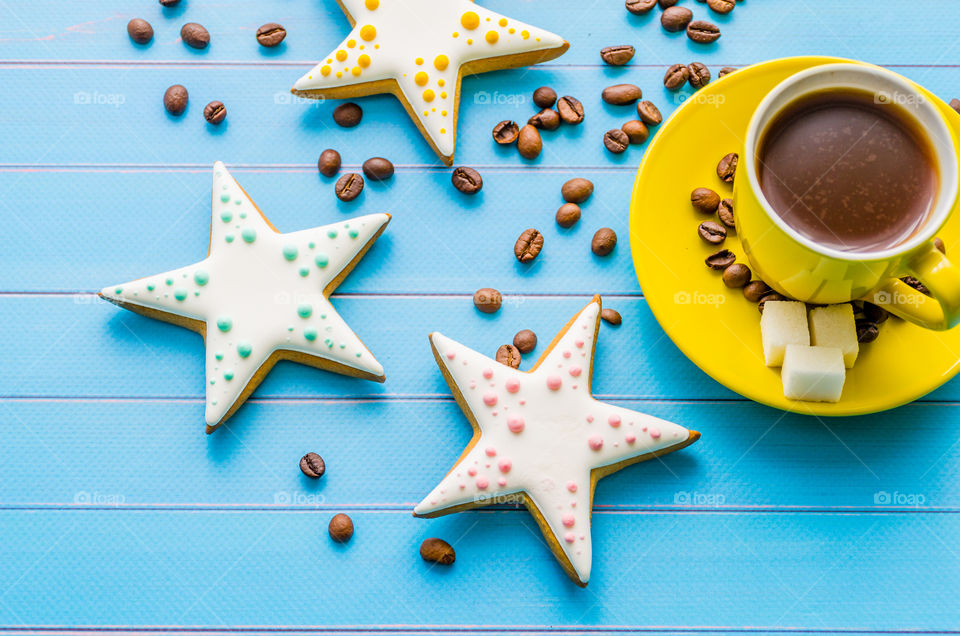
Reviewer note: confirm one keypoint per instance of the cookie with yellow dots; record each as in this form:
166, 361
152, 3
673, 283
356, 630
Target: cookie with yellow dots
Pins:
418, 50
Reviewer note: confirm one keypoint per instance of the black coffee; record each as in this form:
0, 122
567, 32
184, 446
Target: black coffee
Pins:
848, 172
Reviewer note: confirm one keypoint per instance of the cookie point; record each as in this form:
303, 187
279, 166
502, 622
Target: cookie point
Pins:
693, 436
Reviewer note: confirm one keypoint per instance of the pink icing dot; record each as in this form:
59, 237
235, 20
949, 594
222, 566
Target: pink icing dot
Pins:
554, 382
515, 423
490, 398
574, 387
654, 432
522, 402
631, 438
575, 371
473, 384
571, 486
502, 482
482, 483
505, 465
463, 486
566, 354
488, 373
579, 343
589, 419
513, 385
568, 520
472, 472
451, 355
491, 451
596, 442
614, 421
569, 537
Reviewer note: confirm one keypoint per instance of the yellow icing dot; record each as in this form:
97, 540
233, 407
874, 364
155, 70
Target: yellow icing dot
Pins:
443, 112
376, 46
502, 22
324, 70
469, 40
440, 62
418, 61
351, 44
368, 32
309, 76
420, 78
538, 39
470, 20
426, 112
443, 94
364, 60
511, 30
341, 55
443, 131
492, 37
455, 34
362, 47
524, 34
440, 82
356, 71
339, 74
488, 19
329, 60
372, 4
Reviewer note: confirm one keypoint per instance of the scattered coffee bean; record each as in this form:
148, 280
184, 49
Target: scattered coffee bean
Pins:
721, 6
528, 246
616, 141
648, 113
638, 7
509, 355
617, 55
466, 180
568, 215
570, 109
675, 19
378, 168
955, 104
349, 186
215, 112
938, 243
347, 114
666, 4
720, 260
769, 298
576, 190
699, 74
727, 168
712, 232
169, 3
487, 300
611, 316
726, 70
175, 99
194, 35
874, 313
340, 528
676, 76
529, 143
544, 97
725, 212
914, 282
312, 465
705, 200
867, 331
703, 32
271, 34
546, 119
525, 341
621, 94
329, 162
755, 290
437, 551
506, 132
139, 31
636, 131
604, 240
736, 276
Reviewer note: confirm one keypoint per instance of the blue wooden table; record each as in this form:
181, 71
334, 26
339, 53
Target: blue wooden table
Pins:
117, 511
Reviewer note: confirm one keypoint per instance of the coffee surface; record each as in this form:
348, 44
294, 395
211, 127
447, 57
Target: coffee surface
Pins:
848, 173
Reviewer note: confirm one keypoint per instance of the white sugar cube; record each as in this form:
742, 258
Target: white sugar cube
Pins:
834, 326
782, 323
813, 374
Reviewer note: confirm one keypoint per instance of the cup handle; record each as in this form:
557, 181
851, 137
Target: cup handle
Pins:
940, 276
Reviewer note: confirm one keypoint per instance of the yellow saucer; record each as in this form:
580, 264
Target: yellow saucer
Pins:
716, 327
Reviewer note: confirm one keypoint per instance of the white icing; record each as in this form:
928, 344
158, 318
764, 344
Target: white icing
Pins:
256, 287
412, 30
554, 449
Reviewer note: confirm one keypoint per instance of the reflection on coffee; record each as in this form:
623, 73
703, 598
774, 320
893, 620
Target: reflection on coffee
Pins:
847, 172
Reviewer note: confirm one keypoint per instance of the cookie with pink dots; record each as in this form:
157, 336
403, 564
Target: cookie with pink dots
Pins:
418, 50
540, 437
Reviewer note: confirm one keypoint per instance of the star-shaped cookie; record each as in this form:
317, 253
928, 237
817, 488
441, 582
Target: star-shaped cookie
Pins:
418, 50
260, 296
540, 437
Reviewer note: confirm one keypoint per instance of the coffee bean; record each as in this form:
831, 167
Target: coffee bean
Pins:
703, 32
437, 551
529, 143
938, 243
576, 190
546, 119
705, 200
676, 76
666, 4
528, 246
699, 74
194, 35
636, 130
340, 528
347, 114
721, 6
616, 141
466, 180
509, 355
506, 132
271, 34
544, 97
638, 7
139, 31
955, 104
617, 55
525, 341
169, 3
755, 290
648, 113
570, 109
175, 99
329, 162
725, 212
726, 70
675, 19
378, 168
604, 240
914, 282
772, 297
867, 331
611, 316
736, 276
621, 94
727, 168
349, 186
215, 112
312, 465
720, 260
568, 215
712, 232
487, 300
875, 314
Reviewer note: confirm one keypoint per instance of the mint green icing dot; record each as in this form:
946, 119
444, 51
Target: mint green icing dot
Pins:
328, 342
218, 355
321, 260
118, 290
290, 328
359, 354
290, 252
249, 235
354, 234
226, 216
244, 349
323, 317
169, 281
243, 215
304, 310
225, 197
196, 293
224, 324
332, 234
237, 201
180, 294
310, 334
228, 375
311, 245
212, 381
304, 272
343, 345
150, 287
201, 277
228, 238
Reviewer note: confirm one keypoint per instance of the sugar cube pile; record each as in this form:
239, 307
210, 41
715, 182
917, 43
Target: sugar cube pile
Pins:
813, 374
834, 326
782, 323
